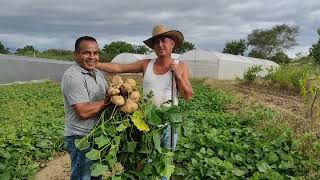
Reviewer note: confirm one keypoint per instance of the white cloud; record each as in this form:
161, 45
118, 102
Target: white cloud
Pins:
207, 23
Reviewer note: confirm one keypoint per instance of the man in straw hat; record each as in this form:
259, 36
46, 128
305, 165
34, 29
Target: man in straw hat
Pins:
164, 76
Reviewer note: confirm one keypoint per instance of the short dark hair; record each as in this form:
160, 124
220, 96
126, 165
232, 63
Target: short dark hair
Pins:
83, 38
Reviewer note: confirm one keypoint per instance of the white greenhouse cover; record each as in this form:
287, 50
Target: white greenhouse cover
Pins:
220, 65
127, 58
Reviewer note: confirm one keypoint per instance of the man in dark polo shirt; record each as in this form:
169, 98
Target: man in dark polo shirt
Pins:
84, 91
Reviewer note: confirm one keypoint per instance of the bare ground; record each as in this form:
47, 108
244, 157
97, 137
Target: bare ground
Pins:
57, 169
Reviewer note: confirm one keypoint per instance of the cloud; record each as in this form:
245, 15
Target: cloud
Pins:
206, 23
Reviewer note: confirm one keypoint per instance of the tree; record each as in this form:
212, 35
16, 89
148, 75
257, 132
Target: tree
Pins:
235, 47
315, 50
3, 49
27, 51
186, 46
267, 42
114, 48
141, 49
57, 54
280, 57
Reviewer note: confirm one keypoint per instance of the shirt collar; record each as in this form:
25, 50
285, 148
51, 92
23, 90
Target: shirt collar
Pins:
84, 71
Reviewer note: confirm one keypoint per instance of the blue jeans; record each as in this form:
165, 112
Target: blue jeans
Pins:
80, 165
166, 140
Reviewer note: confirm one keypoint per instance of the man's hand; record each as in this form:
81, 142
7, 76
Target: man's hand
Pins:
107, 98
177, 71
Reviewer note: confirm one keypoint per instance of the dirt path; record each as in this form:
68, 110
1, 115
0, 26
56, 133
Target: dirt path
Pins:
57, 169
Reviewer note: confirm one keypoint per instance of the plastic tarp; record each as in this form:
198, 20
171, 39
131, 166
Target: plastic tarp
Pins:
220, 65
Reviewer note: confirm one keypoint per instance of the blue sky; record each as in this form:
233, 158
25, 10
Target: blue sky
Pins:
206, 23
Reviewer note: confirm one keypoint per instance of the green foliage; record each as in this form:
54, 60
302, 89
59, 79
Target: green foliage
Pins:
121, 142
280, 57
27, 51
213, 143
58, 54
186, 46
315, 50
290, 76
111, 50
251, 73
266, 42
141, 49
257, 54
235, 47
218, 145
31, 127
3, 49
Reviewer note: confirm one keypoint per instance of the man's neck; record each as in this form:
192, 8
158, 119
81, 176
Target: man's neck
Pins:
164, 60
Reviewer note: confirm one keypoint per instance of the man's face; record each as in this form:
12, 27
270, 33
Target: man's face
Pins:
163, 46
88, 55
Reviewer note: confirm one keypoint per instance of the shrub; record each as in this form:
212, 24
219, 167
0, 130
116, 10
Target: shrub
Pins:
251, 73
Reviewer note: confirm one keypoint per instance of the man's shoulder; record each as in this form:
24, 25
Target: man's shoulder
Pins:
72, 71
183, 64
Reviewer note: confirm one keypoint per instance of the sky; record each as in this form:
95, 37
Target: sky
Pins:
208, 24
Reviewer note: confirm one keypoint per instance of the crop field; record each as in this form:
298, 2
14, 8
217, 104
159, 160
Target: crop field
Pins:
215, 142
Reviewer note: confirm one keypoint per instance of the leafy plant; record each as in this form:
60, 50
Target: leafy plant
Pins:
128, 146
251, 73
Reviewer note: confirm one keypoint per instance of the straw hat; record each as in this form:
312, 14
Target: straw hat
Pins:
161, 30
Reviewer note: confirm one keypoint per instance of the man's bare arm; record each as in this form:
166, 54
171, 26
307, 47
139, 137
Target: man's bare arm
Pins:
183, 83
90, 109
136, 67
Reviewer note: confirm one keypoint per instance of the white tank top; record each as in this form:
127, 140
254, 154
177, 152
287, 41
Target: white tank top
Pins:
160, 85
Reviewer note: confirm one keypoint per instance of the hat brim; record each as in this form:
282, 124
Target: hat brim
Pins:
177, 36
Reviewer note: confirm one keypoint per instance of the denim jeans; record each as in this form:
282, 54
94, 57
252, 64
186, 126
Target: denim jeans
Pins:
166, 140
80, 165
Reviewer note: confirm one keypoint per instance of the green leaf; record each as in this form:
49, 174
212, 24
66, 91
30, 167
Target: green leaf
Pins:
111, 130
151, 115
165, 167
98, 169
237, 172
175, 117
117, 140
129, 146
286, 165
82, 144
203, 151
263, 166
227, 165
272, 157
93, 154
110, 159
101, 141
156, 141
5, 176
147, 169
121, 127
116, 178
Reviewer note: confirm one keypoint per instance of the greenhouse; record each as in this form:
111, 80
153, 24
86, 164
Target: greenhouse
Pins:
222, 66
208, 63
